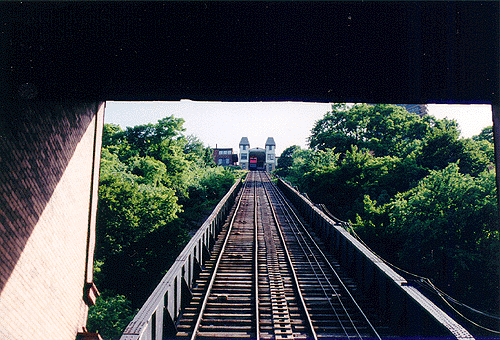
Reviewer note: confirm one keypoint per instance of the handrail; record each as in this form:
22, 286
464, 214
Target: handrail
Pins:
159, 313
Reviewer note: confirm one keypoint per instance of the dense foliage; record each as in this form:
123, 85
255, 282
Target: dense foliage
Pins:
156, 185
416, 193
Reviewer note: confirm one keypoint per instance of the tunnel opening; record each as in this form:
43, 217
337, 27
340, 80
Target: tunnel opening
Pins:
257, 159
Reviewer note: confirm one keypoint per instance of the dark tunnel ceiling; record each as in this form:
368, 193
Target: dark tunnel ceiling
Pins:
397, 52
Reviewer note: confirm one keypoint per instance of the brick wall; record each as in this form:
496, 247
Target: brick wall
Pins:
47, 168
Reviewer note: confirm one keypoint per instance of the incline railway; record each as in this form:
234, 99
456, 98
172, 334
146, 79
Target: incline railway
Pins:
268, 278
255, 269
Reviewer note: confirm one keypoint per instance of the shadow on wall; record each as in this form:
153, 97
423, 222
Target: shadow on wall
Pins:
37, 141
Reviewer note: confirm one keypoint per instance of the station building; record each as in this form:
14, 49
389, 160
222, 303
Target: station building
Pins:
258, 158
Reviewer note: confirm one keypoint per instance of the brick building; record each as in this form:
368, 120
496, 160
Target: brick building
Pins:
49, 159
224, 156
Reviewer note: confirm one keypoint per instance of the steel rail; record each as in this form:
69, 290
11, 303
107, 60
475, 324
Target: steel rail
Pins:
219, 257
280, 306
303, 242
283, 200
256, 263
289, 260
317, 276
325, 277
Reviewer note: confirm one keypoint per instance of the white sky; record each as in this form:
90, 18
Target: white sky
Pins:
223, 124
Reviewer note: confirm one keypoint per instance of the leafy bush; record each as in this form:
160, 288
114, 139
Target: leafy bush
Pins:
110, 316
155, 185
419, 195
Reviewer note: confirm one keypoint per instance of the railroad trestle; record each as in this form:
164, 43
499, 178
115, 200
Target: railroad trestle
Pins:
268, 264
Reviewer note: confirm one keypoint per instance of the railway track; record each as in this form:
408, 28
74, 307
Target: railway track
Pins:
267, 278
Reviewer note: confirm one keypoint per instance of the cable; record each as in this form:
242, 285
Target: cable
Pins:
349, 228
291, 222
463, 316
424, 279
451, 299
340, 280
445, 297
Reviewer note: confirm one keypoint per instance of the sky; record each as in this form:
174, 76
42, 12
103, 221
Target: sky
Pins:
222, 124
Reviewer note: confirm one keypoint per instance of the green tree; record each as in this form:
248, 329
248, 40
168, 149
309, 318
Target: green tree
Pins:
486, 134
155, 185
443, 147
149, 170
111, 164
114, 141
307, 161
171, 154
110, 315
390, 130
127, 212
339, 128
385, 130
286, 160
477, 156
373, 226
447, 225
338, 186
168, 128
142, 137
342, 185
417, 193
197, 153
112, 134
